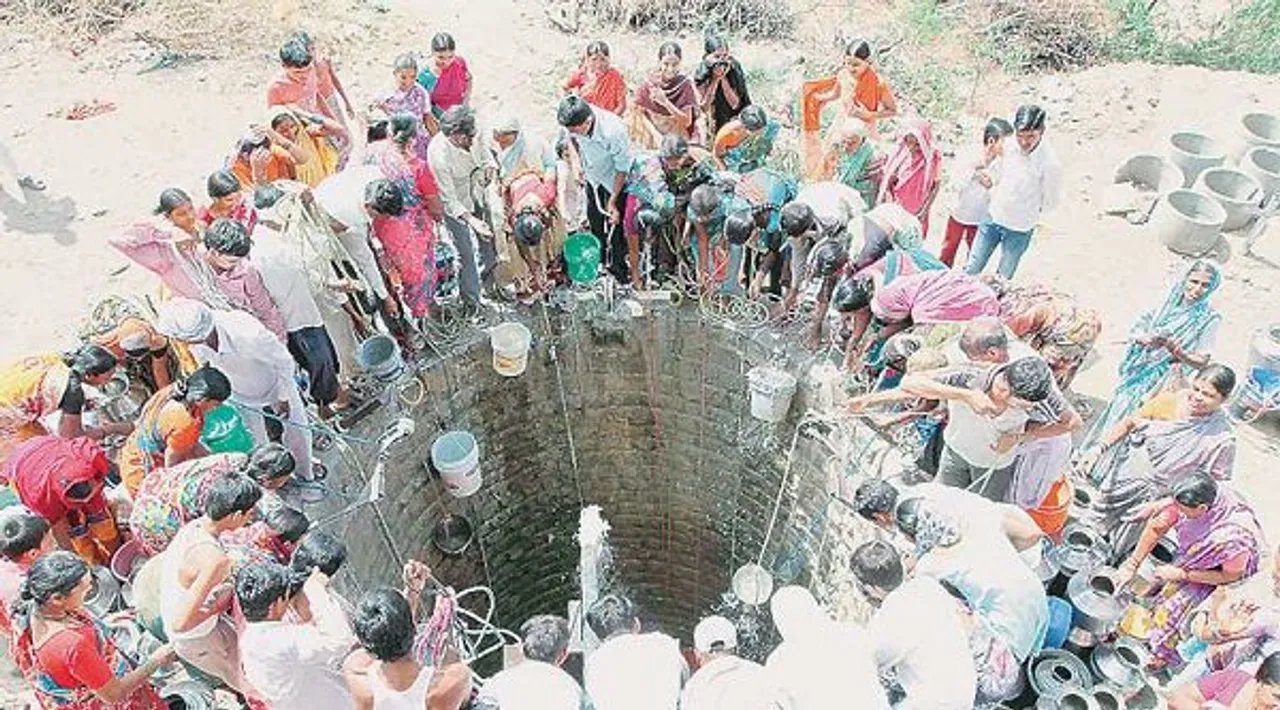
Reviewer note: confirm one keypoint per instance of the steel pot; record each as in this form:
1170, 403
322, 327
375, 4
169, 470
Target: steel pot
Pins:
1054, 671
188, 695
1082, 548
1068, 699
1120, 665
1164, 553
1146, 699
104, 592
453, 534
1109, 697
1095, 596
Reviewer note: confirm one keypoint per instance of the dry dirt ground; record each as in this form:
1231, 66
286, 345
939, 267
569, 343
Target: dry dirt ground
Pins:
173, 126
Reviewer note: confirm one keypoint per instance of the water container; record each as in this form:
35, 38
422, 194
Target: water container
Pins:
456, 455
1238, 193
1150, 172
510, 342
582, 257
771, 392
1258, 129
1264, 165
1264, 349
1189, 222
1059, 622
1194, 153
380, 356
224, 431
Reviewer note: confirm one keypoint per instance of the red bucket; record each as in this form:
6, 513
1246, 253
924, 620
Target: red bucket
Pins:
1052, 513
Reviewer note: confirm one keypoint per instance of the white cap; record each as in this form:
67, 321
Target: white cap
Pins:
715, 633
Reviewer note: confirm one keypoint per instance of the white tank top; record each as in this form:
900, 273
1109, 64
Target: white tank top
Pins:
414, 698
171, 591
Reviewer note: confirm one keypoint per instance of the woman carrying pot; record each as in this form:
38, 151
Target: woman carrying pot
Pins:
1219, 543
67, 654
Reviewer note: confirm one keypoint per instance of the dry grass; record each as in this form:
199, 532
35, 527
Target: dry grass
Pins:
751, 18
1049, 35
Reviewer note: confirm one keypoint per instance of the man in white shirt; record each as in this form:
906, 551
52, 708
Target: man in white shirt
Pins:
631, 670
1030, 185
724, 681
257, 363
599, 138
537, 682
293, 666
976, 172
917, 633
459, 163
297, 290
820, 664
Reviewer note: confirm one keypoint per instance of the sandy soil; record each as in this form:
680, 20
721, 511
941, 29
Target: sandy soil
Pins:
173, 126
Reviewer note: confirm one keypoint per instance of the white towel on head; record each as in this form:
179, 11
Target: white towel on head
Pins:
185, 319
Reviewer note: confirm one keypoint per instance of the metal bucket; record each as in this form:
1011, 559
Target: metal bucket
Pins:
1263, 163
771, 393
1258, 129
1238, 193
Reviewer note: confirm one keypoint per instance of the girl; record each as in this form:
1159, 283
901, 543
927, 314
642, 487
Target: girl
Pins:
410, 97
598, 83
170, 424
447, 78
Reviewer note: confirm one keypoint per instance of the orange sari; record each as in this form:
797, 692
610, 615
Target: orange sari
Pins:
868, 91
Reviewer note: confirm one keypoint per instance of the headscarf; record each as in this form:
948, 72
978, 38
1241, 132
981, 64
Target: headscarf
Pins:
185, 319
934, 528
1185, 323
904, 165
43, 468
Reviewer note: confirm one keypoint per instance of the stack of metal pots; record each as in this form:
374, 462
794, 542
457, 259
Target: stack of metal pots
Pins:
1097, 606
1082, 548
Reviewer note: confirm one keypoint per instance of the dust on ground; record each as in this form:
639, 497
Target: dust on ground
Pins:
171, 127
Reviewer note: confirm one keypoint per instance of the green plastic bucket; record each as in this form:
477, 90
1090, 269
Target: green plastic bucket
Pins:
582, 257
224, 431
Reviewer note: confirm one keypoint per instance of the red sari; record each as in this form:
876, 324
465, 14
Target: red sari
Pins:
408, 240
607, 91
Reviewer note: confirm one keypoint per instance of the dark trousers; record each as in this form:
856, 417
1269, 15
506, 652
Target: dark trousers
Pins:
612, 242
313, 350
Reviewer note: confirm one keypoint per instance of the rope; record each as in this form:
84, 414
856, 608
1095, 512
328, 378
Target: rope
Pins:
564, 411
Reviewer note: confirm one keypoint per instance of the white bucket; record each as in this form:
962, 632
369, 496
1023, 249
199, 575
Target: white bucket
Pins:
771, 392
510, 342
456, 455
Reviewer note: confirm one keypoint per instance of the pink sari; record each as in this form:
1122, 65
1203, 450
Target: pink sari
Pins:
408, 240
944, 296
910, 179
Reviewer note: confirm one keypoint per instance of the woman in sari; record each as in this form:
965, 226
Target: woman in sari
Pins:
913, 173
34, 387
907, 254
1053, 323
1166, 342
1219, 542
170, 424
68, 655
311, 134
722, 84
867, 97
407, 236
1173, 436
447, 78
1010, 611
928, 297
63, 481
666, 103
744, 143
598, 83
409, 97
852, 160
173, 496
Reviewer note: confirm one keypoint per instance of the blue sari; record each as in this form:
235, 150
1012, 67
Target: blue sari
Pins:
1146, 369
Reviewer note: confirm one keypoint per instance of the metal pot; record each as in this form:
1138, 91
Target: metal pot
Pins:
1082, 548
453, 534
1068, 699
1146, 699
1095, 596
1120, 665
1054, 671
1109, 697
1164, 553
104, 592
188, 695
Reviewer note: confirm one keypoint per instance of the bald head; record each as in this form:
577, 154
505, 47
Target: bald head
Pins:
985, 340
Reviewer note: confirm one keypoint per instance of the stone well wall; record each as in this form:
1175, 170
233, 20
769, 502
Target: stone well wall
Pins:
657, 408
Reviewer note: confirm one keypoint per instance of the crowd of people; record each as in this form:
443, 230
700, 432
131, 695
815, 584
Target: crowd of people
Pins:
326, 225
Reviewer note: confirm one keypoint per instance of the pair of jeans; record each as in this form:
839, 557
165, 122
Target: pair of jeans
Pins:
476, 258
1013, 244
